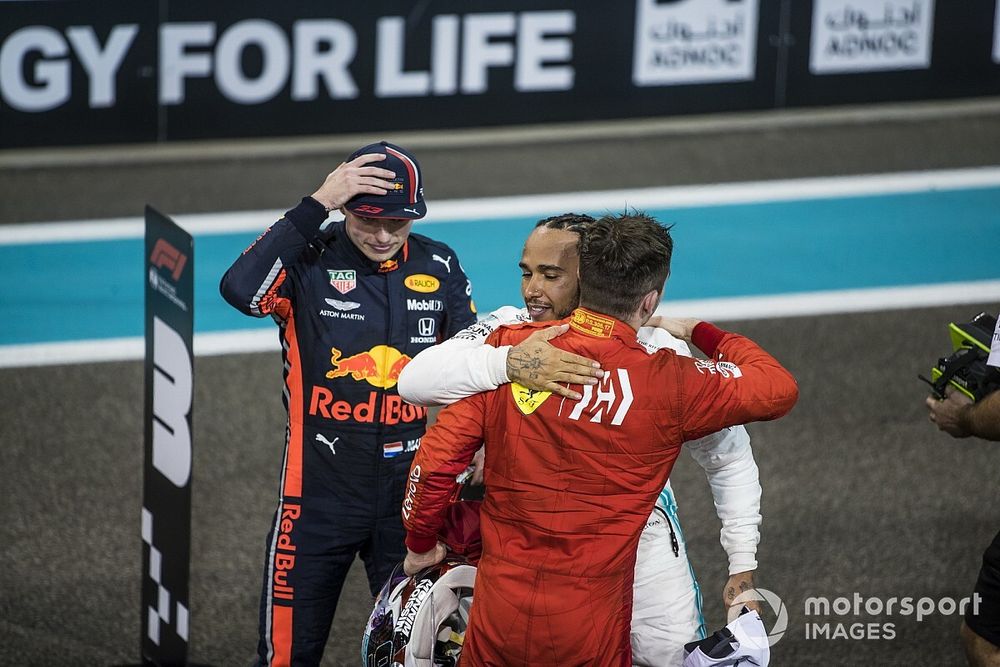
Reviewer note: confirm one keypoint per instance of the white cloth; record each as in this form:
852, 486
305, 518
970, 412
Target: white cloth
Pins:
994, 358
747, 646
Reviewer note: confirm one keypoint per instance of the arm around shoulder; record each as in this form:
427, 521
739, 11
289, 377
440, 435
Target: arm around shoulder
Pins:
739, 383
460, 366
452, 370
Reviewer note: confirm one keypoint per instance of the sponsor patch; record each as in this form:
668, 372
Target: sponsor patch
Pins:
726, 369
343, 305
427, 305
592, 323
612, 399
328, 443
343, 280
380, 366
394, 409
391, 449
342, 310
527, 400
446, 262
421, 282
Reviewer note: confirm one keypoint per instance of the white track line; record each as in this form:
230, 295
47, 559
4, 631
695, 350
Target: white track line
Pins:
540, 205
718, 310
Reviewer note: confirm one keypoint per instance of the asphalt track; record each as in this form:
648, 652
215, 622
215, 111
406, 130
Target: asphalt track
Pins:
861, 494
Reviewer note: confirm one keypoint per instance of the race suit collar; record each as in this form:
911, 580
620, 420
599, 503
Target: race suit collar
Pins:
393, 263
600, 326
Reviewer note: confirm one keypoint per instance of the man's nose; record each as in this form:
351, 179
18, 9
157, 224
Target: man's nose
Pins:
534, 286
382, 233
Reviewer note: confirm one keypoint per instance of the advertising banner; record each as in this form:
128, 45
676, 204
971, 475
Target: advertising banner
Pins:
185, 70
694, 41
996, 34
871, 35
166, 487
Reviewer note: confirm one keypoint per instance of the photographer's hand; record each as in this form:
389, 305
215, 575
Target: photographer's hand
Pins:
951, 414
960, 417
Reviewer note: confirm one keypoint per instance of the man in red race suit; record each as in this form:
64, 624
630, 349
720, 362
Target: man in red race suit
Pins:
571, 483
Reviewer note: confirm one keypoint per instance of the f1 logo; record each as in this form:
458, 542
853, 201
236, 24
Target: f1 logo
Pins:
425, 326
165, 255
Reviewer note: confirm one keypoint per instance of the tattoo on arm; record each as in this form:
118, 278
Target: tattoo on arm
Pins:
525, 365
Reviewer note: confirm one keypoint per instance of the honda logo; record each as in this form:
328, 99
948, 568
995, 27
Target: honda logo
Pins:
425, 326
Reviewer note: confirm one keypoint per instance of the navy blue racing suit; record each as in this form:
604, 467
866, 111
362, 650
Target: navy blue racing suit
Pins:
348, 325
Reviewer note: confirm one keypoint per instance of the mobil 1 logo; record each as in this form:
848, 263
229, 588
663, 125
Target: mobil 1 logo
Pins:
425, 305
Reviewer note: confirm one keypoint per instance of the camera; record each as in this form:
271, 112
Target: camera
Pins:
965, 369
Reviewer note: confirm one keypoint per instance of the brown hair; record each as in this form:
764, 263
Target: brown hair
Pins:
623, 258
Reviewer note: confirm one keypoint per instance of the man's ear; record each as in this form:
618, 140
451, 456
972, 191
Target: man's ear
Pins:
649, 303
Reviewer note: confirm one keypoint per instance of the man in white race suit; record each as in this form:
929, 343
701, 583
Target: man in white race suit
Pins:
666, 610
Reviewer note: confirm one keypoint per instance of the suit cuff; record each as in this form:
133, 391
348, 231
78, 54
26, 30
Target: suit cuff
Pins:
498, 365
742, 562
706, 336
307, 217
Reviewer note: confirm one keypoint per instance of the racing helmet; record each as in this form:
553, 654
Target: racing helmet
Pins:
420, 621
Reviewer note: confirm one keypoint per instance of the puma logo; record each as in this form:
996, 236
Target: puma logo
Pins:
446, 262
320, 438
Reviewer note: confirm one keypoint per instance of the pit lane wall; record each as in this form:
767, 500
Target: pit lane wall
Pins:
185, 70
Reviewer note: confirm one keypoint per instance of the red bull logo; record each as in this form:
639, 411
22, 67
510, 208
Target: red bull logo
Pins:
394, 409
284, 555
379, 366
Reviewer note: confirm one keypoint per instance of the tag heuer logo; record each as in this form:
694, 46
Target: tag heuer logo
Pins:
343, 280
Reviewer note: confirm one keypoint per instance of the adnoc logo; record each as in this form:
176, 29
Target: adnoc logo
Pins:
778, 608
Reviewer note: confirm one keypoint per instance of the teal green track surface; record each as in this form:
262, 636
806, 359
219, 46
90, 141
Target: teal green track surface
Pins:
80, 290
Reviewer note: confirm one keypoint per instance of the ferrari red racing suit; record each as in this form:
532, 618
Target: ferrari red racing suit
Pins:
571, 483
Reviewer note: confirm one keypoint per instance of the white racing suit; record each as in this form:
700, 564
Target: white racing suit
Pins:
666, 607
